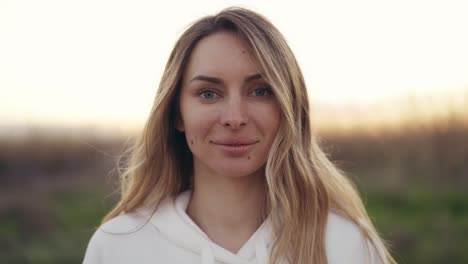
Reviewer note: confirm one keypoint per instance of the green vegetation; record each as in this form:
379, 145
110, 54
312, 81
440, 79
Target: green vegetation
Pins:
58, 234
423, 226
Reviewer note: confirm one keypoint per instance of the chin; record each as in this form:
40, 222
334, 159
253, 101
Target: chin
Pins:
239, 172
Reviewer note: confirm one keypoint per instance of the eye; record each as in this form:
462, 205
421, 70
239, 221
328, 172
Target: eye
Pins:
208, 94
262, 91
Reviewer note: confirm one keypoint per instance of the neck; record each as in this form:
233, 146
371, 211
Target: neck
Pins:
228, 209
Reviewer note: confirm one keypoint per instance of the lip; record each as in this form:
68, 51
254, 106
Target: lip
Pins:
234, 142
235, 147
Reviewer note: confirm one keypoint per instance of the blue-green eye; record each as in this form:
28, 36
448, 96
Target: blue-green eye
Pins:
264, 91
208, 94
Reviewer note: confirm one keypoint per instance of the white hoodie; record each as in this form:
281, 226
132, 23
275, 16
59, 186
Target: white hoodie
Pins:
170, 236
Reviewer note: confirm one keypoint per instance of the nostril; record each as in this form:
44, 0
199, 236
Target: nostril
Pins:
235, 124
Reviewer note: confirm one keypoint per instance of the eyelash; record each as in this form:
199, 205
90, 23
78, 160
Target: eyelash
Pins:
266, 89
202, 93
205, 91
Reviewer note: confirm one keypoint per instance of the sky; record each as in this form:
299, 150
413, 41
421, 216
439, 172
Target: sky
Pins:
99, 62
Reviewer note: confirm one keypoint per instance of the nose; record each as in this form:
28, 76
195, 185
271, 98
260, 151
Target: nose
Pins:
234, 113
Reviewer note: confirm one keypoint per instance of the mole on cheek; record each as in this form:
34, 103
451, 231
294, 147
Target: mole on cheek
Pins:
191, 141
248, 157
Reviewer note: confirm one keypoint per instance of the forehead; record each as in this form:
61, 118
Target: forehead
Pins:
222, 54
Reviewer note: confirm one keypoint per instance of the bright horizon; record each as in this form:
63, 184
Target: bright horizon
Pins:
99, 62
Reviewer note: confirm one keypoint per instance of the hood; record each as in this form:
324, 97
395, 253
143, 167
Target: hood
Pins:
176, 226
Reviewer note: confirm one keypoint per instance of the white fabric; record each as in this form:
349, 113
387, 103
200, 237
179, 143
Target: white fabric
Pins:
170, 236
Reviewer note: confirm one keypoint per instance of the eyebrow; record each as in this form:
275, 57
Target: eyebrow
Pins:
218, 80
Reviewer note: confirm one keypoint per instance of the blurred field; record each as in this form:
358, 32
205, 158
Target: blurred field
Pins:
414, 181
413, 177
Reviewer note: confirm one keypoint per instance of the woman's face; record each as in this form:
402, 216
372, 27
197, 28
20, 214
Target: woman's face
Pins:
227, 110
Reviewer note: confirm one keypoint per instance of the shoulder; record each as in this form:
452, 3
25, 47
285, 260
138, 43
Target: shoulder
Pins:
116, 234
339, 228
345, 242
126, 223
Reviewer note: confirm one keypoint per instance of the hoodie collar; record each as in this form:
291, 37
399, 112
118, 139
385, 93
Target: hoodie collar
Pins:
175, 225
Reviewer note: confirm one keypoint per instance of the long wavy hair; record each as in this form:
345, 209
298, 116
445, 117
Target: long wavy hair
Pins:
302, 185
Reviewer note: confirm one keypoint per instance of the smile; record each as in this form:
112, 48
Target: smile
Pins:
235, 148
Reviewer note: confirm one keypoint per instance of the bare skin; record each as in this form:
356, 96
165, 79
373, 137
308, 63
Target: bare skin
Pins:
226, 209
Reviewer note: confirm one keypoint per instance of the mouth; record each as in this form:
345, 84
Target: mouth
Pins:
235, 148
234, 143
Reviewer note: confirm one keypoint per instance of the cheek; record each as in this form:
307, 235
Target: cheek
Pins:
276, 117
271, 127
197, 126
272, 121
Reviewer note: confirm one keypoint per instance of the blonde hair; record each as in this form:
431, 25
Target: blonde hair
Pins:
302, 184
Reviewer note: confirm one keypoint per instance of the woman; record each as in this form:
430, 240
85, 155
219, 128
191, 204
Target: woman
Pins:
228, 169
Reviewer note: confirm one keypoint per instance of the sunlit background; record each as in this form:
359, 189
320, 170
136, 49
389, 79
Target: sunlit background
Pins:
388, 82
